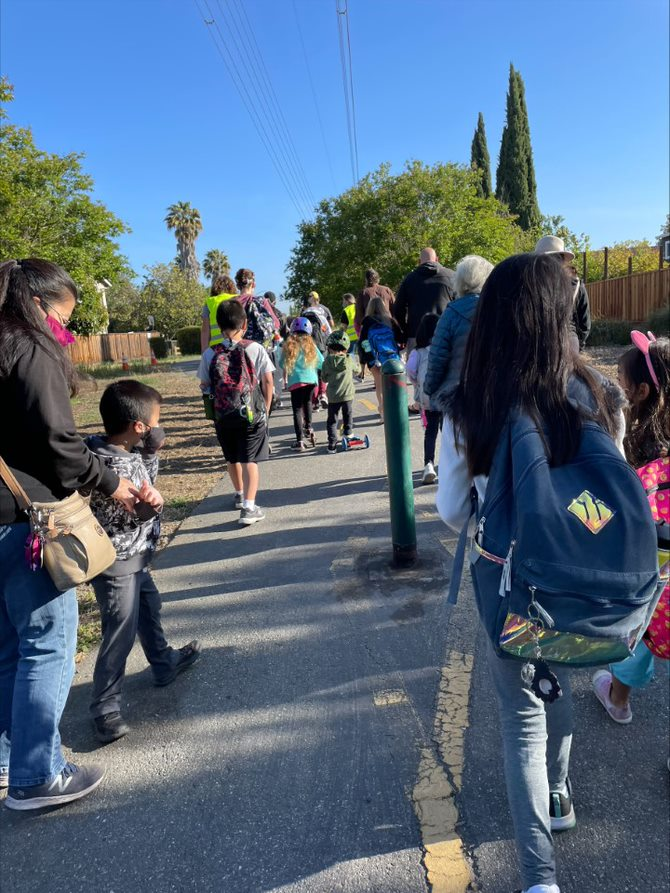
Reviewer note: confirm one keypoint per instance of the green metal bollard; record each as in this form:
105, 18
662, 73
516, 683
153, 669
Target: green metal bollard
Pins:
399, 462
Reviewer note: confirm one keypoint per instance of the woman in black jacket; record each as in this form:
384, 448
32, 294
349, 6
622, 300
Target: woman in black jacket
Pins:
39, 442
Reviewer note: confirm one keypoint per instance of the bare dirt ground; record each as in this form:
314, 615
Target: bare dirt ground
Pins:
605, 359
191, 461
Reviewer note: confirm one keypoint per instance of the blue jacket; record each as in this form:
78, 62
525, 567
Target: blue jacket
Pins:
447, 349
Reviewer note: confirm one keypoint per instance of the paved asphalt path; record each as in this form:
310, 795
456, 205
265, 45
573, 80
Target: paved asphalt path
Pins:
286, 759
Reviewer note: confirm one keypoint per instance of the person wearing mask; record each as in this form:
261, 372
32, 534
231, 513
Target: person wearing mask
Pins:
40, 444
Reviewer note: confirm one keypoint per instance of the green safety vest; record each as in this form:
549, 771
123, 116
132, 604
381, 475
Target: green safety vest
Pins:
350, 310
215, 336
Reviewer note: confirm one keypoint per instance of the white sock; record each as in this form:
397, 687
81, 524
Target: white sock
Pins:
239, 492
249, 504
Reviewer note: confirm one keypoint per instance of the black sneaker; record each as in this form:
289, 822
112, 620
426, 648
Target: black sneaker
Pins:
188, 655
561, 810
72, 783
110, 727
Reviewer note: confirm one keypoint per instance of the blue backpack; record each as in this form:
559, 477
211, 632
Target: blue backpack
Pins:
381, 343
563, 560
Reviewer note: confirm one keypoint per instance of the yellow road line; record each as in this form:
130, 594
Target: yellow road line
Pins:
368, 404
434, 793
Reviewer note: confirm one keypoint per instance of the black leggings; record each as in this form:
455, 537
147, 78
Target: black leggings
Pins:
433, 425
301, 402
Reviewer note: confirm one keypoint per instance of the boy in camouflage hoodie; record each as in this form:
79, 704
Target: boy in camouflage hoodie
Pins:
126, 593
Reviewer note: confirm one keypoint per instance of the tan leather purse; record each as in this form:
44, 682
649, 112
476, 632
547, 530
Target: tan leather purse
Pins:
74, 548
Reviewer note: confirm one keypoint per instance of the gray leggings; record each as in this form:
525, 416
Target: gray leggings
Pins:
536, 748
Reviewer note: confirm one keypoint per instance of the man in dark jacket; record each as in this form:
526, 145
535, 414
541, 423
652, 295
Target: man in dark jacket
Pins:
581, 311
427, 289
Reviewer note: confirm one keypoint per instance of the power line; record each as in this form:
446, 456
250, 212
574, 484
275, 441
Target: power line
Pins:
261, 85
314, 97
256, 119
348, 83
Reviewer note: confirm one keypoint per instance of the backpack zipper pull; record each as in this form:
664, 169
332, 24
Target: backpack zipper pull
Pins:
506, 577
540, 612
480, 528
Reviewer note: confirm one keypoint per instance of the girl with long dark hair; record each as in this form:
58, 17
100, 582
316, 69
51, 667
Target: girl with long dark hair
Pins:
519, 358
40, 444
378, 342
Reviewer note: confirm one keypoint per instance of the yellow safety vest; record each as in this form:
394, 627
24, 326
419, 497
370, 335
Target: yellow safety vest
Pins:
350, 310
215, 336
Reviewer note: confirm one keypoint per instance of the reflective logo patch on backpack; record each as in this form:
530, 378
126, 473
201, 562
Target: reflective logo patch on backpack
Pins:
591, 511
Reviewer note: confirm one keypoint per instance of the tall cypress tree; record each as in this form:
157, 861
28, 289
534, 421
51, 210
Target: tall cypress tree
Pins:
515, 177
480, 159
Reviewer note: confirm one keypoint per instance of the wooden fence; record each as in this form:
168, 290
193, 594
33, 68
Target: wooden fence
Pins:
103, 348
629, 297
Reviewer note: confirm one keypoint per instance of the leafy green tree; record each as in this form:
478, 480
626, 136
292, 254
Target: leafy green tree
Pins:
122, 303
480, 159
46, 210
187, 225
216, 263
385, 220
644, 257
515, 176
171, 296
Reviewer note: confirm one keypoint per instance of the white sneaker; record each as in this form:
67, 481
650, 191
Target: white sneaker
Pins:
429, 474
543, 888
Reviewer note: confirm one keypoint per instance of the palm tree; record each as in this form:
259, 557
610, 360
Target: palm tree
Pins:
216, 264
187, 225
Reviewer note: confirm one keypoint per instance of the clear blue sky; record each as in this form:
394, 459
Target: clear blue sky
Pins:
137, 85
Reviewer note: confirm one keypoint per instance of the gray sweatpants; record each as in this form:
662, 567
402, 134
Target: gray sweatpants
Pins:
129, 606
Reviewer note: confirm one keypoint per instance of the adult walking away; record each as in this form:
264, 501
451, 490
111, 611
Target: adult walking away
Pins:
519, 358
38, 623
321, 320
427, 289
581, 310
372, 290
447, 351
223, 289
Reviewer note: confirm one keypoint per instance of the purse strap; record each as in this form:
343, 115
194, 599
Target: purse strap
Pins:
15, 488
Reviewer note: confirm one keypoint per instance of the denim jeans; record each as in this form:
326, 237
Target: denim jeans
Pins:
38, 638
536, 750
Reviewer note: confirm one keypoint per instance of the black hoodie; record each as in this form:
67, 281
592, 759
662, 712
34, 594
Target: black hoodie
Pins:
427, 289
39, 440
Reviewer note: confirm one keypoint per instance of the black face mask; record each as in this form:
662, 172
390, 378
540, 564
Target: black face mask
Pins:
153, 439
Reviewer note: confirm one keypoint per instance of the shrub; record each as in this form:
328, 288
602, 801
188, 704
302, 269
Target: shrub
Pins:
188, 339
159, 346
609, 331
659, 321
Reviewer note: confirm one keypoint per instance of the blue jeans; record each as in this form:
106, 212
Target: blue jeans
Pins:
536, 748
38, 638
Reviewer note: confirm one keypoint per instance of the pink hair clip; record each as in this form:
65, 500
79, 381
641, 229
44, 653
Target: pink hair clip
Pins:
642, 342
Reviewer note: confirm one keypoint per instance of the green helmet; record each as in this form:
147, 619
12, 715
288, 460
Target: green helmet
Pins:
339, 339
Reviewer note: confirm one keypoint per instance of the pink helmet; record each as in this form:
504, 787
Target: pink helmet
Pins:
301, 324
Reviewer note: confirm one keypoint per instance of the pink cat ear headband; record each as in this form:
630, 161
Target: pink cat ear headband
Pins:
642, 342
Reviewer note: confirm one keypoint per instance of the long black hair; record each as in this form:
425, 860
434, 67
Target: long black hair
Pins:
519, 356
21, 323
426, 330
648, 434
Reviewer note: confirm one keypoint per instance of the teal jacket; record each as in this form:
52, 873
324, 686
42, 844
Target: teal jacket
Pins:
301, 372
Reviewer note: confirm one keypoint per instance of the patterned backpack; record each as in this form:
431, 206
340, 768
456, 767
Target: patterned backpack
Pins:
260, 325
234, 385
655, 477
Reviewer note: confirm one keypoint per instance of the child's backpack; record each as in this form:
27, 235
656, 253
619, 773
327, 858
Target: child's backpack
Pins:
234, 385
655, 477
381, 343
260, 325
320, 326
564, 557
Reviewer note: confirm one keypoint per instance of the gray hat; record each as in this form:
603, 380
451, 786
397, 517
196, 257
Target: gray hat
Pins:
553, 245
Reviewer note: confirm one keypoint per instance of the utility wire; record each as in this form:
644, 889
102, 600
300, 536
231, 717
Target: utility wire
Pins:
314, 97
351, 82
347, 83
268, 94
259, 125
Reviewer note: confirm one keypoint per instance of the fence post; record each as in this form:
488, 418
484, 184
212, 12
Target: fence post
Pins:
660, 256
399, 462
606, 263
584, 266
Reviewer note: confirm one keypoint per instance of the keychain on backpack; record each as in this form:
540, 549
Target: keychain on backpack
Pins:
535, 673
34, 548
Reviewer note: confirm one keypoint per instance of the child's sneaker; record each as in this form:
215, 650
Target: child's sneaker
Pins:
602, 683
110, 727
561, 810
323, 401
332, 448
188, 655
541, 888
72, 783
429, 474
298, 446
251, 516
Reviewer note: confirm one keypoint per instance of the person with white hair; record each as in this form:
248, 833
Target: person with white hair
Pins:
581, 311
447, 351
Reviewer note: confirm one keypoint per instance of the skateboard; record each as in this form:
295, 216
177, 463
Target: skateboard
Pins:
355, 442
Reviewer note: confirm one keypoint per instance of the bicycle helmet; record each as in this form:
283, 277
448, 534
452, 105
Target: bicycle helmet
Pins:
338, 339
301, 325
